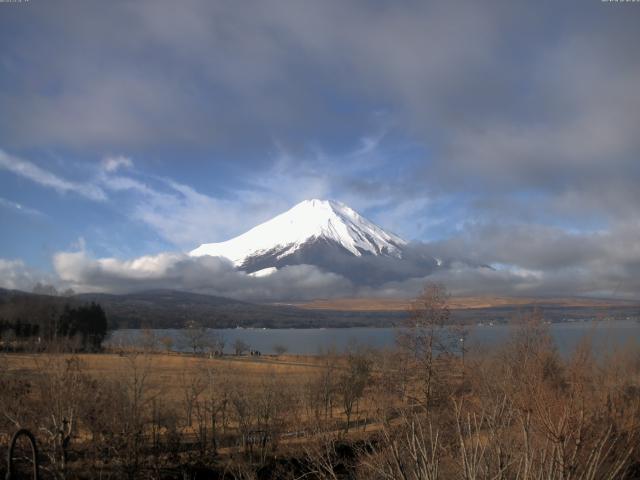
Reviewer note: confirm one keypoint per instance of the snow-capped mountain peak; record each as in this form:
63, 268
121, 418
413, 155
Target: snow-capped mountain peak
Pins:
306, 223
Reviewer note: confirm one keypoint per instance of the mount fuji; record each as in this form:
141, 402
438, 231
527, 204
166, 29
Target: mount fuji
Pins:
329, 235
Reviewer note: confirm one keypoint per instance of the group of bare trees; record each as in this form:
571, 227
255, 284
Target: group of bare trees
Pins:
416, 412
520, 411
67, 408
197, 339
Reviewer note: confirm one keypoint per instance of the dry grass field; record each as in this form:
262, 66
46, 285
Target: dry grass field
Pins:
460, 303
136, 401
167, 374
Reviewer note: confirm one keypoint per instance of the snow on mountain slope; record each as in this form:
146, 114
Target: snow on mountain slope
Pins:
305, 223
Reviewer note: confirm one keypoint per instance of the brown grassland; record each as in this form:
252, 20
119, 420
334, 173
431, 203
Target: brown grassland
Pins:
459, 303
166, 372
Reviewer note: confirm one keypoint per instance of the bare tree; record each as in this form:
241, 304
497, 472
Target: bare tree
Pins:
272, 405
322, 457
192, 387
240, 346
353, 381
424, 337
130, 401
16, 405
216, 393
61, 386
149, 340
412, 450
218, 342
241, 402
321, 390
195, 336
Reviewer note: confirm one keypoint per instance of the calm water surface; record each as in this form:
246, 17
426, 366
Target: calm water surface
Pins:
606, 336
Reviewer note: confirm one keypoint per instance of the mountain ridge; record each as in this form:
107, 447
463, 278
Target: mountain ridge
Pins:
335, 227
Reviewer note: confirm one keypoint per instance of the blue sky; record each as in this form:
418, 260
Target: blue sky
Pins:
504, 132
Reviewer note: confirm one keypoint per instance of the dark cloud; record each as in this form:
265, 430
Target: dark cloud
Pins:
544, 260
506, 95
199, 71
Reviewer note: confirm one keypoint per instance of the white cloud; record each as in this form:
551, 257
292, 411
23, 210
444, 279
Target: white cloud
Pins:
45, 178
606, 265
14, 274
15, 206
181, 214
187, 217
114, 163
207, 275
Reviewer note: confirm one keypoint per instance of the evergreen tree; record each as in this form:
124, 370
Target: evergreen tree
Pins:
87, 321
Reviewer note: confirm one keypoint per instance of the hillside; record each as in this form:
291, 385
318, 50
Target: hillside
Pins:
172, 309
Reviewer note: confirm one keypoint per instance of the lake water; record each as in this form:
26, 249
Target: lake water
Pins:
606, 336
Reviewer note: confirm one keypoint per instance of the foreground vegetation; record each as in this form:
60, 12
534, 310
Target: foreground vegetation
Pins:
415, 412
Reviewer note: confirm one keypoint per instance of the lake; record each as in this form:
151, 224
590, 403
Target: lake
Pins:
606, 336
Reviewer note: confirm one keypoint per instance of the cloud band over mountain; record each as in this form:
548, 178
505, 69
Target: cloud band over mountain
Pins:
604, 275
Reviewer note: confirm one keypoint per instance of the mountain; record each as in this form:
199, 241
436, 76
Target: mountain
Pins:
327, 234
308, 222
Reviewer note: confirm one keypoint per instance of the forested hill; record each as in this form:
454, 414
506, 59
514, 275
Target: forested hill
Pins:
172, 309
